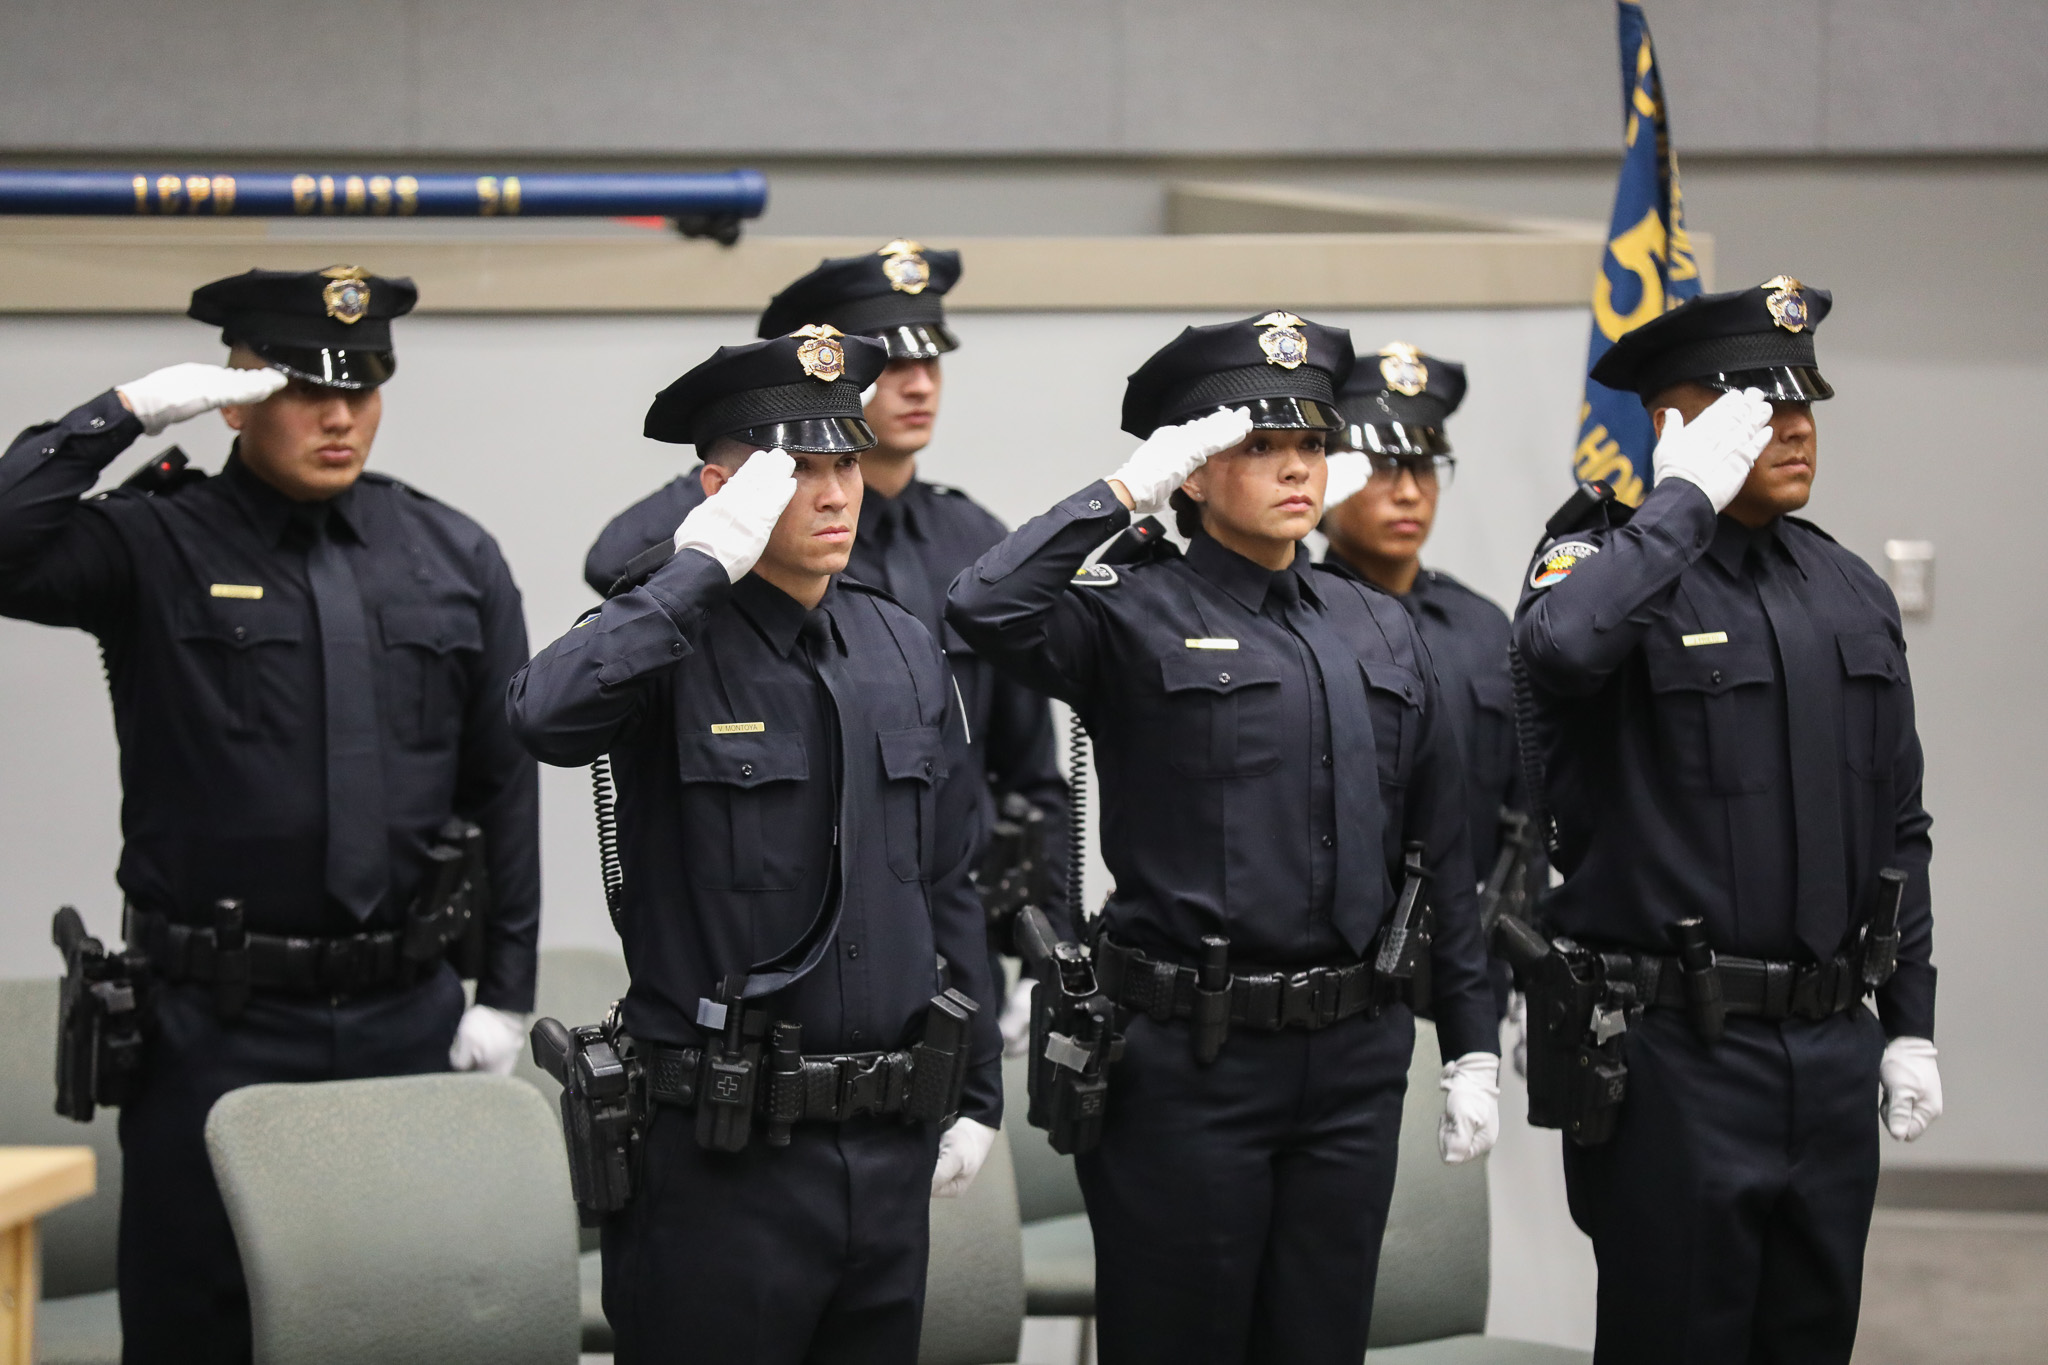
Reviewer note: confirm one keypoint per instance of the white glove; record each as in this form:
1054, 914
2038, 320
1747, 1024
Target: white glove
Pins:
1349, 471
1015, 1020
962, 1149
1471, 1122
487, 1040
177, 392
1912, 1087
1170, 454
1715, 452
733, 524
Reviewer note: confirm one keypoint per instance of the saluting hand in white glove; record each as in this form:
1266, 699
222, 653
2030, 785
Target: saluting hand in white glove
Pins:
487, 1040
962, 1149
177, 392
733, 524
1912, 1087
1350, 470
1170, 454
1715, 450
1471, 1122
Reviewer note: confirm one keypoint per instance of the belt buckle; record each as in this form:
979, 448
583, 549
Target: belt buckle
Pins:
341, 964
863, 1085
1298, 1000
1781, 986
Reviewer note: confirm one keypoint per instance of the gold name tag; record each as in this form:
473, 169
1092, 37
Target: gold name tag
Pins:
1712, 637
248, 592
740, 727
1210, 644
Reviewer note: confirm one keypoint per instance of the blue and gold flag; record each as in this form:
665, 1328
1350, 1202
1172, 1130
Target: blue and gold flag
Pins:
1648, 267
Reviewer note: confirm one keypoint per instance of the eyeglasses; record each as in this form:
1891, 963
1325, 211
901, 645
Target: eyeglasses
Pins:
1429, 471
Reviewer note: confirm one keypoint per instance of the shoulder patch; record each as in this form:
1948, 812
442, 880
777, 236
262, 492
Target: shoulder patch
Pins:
1555, 564
1095, 576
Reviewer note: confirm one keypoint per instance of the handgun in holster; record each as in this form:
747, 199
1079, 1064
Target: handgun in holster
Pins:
1015, 869
101, 1011
449, 916
1400, 968
1506, 889
939, 1061
1074, 1037
1881, 936
1579, 1014
602, 1109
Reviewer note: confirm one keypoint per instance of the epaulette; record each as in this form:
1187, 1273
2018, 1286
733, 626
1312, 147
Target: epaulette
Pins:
166, 473
946, 489
855, 585
1806, 525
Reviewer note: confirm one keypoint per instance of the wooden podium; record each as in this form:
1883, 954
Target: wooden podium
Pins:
33, 1181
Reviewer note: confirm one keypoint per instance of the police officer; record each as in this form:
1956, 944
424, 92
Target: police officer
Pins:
1730, 742
1395, 405
913, 536
795, 836
307, 662
1267, 739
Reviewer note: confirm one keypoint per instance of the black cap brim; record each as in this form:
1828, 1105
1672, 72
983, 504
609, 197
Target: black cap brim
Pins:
1282, 414
811, 435
917, 340
1778, 383
331, 367
1395, 438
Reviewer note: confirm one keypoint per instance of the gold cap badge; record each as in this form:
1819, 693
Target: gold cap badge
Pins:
1786, 303
905, 267
1402, 368
347, 294
1282, 340
823, 355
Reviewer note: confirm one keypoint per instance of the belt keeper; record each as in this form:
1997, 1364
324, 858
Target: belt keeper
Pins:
230, 959
1704, 1004
1159, 991
1209, 1021
785, 1080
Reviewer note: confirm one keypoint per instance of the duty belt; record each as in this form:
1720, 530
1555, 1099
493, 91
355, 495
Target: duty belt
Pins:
345, 965
830, 1087
1756, 988
1305, 998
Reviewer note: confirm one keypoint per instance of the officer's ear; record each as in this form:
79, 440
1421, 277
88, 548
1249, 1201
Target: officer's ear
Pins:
721, 462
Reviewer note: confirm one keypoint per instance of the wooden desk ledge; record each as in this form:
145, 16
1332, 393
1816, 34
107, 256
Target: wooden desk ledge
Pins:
35, 1180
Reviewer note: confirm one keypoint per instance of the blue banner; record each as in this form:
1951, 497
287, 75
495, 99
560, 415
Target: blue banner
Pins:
1648, 267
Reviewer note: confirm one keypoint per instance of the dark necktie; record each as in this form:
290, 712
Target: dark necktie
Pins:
358, 837
909, 582
1813, 727
1362, 890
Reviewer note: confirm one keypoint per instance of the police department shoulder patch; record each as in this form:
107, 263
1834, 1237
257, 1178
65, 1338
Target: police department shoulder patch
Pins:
1556, 563
1095, 576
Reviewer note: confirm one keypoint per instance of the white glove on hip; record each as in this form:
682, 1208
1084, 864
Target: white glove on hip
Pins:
1015, 1021
1714, 452
733, 524
962, 1149
1170, 454
177, 392
487, 1040
1349, 472
1912, 1087
1471, 1122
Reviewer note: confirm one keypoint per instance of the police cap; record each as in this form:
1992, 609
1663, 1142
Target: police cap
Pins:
798, 392
894, 294
1395, 402
1759, 338
1284, 369
330, 327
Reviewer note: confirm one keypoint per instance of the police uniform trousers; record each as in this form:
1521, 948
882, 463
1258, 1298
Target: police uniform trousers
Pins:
1238, 1207
1729, 1211
180, 1276
814, 1252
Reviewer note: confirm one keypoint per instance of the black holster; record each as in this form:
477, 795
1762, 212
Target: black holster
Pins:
448, 918
1579, 1013
1400, 967
1074, 1037
1015, 868
1209, 1018
101, 1020
603, 1115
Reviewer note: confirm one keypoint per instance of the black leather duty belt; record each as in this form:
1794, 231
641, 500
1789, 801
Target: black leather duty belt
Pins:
1759, 989
347, 965
1306, 998
830, 1088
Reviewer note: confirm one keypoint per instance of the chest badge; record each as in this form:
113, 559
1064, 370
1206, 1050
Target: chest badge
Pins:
347, 294
1402, 368
1786, 303
823, 356
1555, 564
1095, 576
904, 266
1282, 341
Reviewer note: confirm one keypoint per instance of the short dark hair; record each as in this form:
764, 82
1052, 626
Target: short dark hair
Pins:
727, 452
1187, 514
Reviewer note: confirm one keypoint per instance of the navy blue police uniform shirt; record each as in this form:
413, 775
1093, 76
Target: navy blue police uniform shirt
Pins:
1215, 764
202, 607
1011, 744
1661, 709
756, 746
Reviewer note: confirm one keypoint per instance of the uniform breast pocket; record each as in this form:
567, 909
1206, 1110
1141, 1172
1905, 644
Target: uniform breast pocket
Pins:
1716, 721
912, 764
1873, 700
740, 802
1395, 694
430, 650
1492, 741
245, 650
1223, 711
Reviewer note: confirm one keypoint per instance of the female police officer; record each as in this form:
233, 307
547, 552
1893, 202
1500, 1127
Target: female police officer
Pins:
1267, 738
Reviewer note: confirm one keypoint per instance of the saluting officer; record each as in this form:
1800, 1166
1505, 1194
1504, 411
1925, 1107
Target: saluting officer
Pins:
795, 835
1395, 407
914, 536
1730, 740
307, 663
1267, 739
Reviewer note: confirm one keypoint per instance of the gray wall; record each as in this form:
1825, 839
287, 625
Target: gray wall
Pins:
1323, 77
